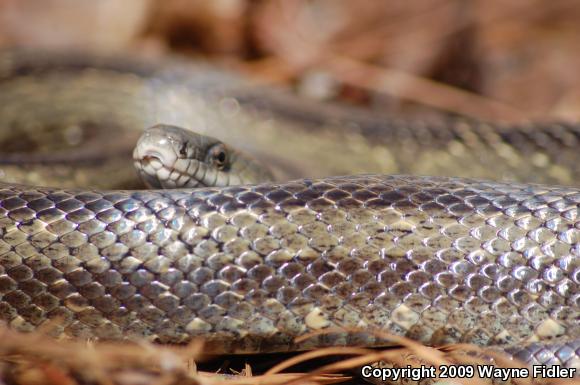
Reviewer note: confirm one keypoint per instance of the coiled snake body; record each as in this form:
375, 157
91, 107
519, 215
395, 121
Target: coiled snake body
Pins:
438, 259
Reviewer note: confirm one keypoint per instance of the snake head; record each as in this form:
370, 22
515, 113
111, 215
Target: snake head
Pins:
172, 157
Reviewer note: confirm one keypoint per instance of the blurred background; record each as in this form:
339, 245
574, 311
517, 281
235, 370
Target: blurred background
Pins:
507, 60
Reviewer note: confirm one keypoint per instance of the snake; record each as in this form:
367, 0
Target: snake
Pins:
256, 242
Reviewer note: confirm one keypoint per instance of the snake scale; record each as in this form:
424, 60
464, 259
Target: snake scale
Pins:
440, 259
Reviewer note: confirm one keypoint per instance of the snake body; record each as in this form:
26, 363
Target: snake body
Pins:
249, 268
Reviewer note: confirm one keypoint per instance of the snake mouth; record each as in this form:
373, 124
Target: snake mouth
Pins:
152, 159
158, 174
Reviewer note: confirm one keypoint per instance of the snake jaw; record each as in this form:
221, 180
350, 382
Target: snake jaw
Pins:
156, 174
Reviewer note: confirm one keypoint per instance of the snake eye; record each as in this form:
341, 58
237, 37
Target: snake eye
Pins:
218, 156
183, 149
